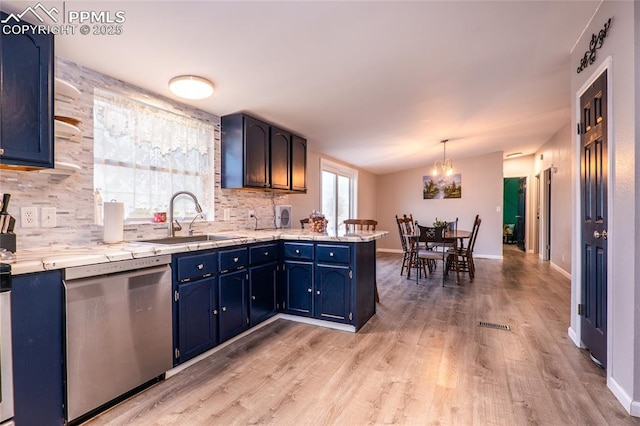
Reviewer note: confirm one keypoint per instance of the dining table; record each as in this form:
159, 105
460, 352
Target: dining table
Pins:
455, 237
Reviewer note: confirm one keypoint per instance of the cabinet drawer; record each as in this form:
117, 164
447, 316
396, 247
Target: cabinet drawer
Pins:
298, 251
233, 259
326, 253
263, 254
197, 265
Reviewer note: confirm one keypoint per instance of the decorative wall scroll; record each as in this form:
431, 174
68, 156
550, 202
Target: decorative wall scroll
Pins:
595, 44
435, 187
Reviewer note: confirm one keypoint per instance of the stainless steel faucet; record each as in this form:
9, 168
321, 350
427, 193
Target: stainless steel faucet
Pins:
172, 230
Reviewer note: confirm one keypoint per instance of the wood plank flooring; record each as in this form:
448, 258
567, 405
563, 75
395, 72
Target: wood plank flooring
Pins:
420, 360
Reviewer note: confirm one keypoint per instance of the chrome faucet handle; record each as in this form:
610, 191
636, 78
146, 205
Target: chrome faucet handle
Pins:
177, 226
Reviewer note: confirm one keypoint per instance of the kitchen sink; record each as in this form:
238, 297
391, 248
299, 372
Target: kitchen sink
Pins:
188, 239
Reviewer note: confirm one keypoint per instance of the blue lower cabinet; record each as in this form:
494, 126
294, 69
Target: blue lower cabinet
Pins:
197, 318
262, 292
298, 288
36, 322
232, 299
332, 290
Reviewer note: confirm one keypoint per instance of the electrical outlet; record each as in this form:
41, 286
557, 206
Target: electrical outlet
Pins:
251, 214
29, 217
48, 215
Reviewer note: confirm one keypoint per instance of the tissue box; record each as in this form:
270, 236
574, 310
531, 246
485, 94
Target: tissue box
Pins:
8, 241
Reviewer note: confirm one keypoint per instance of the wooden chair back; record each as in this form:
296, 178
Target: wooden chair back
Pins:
354, 225
405, 227
474, 233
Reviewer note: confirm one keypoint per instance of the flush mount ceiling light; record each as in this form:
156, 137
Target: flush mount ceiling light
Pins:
191, 87
444, 167
514, 154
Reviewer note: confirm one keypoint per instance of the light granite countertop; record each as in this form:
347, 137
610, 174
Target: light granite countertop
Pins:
60, 257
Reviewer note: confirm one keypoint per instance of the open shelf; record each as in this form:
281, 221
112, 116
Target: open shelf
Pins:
65, 130
66, 90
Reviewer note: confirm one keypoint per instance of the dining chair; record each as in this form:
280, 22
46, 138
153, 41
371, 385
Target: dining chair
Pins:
354, 225
430, 235
465, 254
405, 231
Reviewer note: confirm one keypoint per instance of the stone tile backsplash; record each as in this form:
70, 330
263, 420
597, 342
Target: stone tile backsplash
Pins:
72, 195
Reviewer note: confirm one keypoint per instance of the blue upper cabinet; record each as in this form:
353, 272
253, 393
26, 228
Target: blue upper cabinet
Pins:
26, 99
259, 155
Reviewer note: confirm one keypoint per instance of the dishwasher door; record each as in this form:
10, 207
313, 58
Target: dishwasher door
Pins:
119, 335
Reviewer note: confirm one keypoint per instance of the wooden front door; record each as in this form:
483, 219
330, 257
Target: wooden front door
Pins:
594, 180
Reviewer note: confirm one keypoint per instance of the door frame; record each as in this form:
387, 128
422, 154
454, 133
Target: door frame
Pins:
575, 329
545, 214
536, 216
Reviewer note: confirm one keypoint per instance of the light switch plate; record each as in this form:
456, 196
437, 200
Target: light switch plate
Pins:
29, 217
48, 217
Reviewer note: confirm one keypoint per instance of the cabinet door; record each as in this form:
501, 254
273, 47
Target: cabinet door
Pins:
256, 153
298, 288
197, 318
280, 161
232, 293
36, 323
262, 293
298, 164
333, 284
26, 99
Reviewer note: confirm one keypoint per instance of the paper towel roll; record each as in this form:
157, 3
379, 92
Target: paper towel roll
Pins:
113, 229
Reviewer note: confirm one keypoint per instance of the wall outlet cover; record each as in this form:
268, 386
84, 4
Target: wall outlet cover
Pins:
29, 217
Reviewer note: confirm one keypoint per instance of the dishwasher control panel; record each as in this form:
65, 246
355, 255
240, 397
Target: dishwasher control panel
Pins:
116, 267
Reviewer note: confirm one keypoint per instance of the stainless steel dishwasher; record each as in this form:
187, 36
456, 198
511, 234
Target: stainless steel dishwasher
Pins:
118, 329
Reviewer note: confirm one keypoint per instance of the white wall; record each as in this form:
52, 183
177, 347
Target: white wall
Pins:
482, 188
623, 319
558, 151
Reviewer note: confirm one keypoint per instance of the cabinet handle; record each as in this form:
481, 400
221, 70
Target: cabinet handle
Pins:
309, 290
201, 266
215, 312
266, 253
253, 297
318, 292
297, 251
235, 259
1, 151
224, 309
331, 254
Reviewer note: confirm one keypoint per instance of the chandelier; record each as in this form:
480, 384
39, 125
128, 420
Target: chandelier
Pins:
444, 166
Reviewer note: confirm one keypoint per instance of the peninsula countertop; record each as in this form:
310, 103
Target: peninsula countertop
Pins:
66, 256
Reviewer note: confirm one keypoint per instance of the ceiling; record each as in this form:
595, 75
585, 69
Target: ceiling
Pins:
373, 83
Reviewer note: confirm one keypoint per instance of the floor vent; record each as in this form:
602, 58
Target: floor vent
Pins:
492, 325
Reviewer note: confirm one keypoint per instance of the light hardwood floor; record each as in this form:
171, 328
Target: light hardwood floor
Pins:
421, 360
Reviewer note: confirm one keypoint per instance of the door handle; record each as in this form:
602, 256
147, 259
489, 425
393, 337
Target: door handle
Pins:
600, 235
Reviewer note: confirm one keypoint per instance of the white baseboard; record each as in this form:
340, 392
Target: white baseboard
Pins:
488, 256
559, 269
388, 250
623, 397
574, 337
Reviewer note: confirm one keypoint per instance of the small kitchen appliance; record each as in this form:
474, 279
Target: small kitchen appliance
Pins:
283, 216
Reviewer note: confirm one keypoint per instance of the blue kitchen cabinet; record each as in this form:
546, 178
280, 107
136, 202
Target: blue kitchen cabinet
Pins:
195, 308
26, 99
263, 281
332, 293
233, 318
262, 292
38, 358
233, 283
298, 287
197, 318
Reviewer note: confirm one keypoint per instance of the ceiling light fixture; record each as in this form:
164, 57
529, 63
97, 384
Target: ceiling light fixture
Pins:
446, 165
191, 87
514, 154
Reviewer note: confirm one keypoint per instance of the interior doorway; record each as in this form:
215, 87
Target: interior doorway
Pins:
545, 212
514, 211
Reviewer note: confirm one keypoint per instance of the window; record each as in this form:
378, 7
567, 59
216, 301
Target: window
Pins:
143, 154
339, 184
